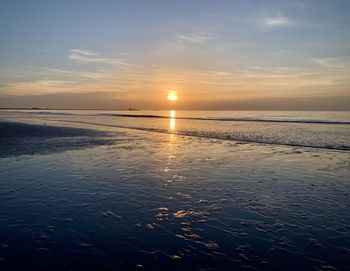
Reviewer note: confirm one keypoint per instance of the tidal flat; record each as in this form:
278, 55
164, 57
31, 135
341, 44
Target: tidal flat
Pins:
137, 200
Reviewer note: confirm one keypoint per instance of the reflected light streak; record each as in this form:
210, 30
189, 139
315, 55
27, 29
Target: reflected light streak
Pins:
172, 124
172, 121
172, 140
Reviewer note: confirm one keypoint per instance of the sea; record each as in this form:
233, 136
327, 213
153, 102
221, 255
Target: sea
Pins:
174, 190
330, 130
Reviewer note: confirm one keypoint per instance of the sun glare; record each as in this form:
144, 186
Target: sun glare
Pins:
172, 96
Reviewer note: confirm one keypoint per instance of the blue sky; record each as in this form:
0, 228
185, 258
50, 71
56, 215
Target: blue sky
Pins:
132, 53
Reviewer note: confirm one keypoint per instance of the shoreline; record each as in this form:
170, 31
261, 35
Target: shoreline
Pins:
78, 125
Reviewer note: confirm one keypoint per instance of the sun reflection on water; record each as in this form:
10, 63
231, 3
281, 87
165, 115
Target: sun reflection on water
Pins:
170, 146
172, 121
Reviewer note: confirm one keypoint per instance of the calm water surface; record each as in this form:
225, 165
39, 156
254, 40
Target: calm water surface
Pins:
175, 193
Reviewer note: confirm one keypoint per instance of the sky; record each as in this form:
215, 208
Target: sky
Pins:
216, 55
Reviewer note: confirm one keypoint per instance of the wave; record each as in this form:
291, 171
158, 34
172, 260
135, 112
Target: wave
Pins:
43, 113
229, 119
246, 138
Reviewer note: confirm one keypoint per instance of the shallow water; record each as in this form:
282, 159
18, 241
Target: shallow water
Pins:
153, 201
330, 130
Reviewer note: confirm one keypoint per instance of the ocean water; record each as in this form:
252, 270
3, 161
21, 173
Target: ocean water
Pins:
306, 129
102, 190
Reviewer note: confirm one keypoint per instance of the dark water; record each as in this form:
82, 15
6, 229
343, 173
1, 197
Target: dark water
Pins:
28, 139
153, 201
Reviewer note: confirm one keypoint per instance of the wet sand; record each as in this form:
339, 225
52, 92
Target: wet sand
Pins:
136, 200
26, 139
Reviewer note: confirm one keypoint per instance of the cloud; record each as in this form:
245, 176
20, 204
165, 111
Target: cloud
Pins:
278, 21
331, 62
198, 37
84, 52
85, 57
37, 87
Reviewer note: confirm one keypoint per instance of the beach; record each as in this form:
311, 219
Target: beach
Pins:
88, 191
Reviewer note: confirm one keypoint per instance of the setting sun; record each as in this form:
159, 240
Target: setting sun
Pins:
172, 96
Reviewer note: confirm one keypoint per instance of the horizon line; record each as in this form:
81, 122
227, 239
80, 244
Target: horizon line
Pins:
138, 109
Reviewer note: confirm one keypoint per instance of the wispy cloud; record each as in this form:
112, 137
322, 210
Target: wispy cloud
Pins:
84, 52
140, 78
278, 21
331, 62
37, 87
198, 37
134, 81
85, 56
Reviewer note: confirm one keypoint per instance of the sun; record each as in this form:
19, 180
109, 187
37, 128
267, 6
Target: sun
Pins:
172, 96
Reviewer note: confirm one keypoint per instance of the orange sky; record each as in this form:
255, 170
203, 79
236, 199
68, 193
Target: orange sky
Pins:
214, 54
